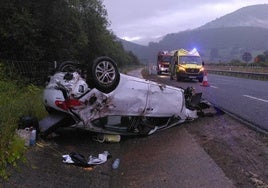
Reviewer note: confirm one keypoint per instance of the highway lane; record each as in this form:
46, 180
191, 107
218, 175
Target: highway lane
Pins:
245, 98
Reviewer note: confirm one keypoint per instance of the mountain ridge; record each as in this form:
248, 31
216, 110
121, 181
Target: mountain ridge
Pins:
245, 29
254, 16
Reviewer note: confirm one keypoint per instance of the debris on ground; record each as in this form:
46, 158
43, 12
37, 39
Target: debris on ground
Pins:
80, 160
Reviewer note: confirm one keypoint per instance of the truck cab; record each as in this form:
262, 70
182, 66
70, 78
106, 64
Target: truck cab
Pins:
163, 61
186, 65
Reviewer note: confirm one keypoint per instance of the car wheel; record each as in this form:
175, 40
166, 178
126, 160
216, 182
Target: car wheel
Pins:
104, 74
178, 77
68, 66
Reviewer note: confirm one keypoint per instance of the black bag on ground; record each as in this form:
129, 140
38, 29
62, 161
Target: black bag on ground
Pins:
79, 159
27, 122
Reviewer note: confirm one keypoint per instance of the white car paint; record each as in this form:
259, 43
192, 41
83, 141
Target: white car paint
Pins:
132, 97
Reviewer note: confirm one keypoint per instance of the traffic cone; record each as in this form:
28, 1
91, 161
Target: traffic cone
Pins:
205, 80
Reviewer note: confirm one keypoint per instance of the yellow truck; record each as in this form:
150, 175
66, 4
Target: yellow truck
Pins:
186, 65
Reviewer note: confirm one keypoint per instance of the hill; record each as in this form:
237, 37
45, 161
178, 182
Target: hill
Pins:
252, 16
140, 51
230, 42
228, 37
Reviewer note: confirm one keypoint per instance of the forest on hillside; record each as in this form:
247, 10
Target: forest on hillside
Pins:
58, 30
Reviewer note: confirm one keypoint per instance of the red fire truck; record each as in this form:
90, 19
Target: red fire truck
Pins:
163, 61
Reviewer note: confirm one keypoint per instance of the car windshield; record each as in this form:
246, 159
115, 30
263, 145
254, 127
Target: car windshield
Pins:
165, 58
190, 60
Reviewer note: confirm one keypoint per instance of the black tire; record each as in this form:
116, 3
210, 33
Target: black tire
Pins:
200, 79
172, 72
68, 66
178, 77
104, 74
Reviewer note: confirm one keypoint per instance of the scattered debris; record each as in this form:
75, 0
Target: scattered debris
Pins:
116, 163
80, 160
25, 135
27, 129
255, 179
28, 135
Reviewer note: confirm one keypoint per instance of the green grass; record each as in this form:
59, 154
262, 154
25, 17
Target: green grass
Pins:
15, 101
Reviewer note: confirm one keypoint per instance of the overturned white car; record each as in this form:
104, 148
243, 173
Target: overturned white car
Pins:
114, 103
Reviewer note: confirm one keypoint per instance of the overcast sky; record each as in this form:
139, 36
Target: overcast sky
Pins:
141, 21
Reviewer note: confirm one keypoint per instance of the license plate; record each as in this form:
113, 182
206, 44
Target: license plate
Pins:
192, 77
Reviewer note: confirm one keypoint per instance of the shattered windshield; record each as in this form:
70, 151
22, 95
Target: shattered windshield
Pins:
190, 60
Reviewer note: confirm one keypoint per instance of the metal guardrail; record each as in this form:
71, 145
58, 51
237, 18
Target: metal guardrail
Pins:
250, 75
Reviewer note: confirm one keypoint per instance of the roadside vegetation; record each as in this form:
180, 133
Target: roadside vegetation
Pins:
16, 100
58, 31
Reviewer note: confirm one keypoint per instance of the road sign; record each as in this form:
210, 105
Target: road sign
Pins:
247, 57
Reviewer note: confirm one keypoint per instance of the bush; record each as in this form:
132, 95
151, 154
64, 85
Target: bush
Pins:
236, 62
15, 101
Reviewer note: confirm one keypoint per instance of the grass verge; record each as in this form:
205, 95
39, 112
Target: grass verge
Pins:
15, 101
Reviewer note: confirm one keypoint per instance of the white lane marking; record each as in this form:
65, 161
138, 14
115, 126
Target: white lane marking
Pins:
214, 87
263, 100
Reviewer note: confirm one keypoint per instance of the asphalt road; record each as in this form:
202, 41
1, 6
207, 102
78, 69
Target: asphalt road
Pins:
245, 98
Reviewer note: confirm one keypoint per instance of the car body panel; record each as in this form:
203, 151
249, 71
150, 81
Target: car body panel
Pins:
133, 97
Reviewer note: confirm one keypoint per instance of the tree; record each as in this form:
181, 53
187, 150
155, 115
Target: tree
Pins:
57, 30
17, 30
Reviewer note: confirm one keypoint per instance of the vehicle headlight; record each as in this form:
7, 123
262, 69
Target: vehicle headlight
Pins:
181, 69
201, 69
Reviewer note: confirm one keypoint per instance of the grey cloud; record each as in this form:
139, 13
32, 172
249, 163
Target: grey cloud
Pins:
149, 18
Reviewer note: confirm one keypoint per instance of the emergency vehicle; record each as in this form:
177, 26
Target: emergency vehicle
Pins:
186, 65
163, 61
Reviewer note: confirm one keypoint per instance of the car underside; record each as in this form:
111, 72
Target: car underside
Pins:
127, 106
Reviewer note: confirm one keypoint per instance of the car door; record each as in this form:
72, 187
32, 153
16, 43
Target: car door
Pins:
164, 101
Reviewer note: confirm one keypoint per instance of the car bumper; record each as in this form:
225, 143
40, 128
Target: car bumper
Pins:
164, 69
191, 76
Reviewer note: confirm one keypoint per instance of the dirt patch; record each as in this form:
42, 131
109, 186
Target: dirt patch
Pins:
241, 152
44, 166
